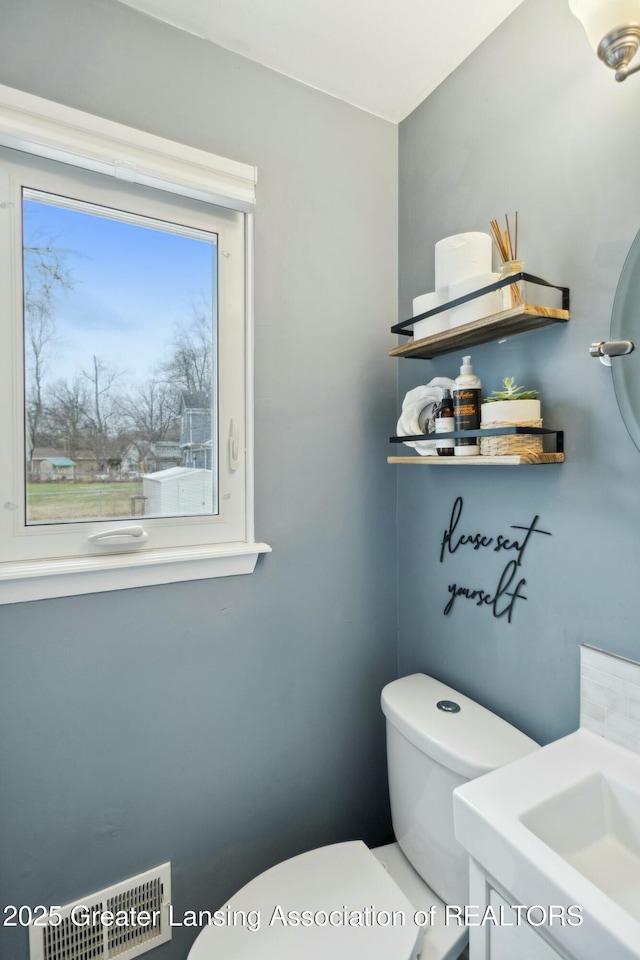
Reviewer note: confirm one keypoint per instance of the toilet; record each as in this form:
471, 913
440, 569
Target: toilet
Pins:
396, 902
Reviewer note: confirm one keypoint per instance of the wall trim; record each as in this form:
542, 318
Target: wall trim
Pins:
35, 125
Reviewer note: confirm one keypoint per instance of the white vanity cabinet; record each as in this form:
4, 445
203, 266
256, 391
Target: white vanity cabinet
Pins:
499, 932
558, 831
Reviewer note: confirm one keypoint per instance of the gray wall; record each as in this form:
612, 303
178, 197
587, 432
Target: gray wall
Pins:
224, 725
530, 122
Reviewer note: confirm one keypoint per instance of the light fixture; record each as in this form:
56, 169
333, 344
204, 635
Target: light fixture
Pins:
613, 29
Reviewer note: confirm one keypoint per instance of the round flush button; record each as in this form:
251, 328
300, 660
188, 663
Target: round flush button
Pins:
449, 706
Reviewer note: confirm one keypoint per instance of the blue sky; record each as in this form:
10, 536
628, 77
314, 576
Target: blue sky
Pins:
131, 285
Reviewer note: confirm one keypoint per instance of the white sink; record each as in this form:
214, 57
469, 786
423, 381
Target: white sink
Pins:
595, 827
561, 827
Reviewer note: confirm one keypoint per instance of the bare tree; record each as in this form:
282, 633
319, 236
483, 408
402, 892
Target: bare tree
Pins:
46, 276
65, 415
189, 365
152, 411
106, 436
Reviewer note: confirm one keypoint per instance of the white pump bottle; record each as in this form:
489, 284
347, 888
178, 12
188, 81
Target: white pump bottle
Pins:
467, 394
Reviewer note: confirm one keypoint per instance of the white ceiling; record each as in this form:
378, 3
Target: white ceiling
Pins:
384, 56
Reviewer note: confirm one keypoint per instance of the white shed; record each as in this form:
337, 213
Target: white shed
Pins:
178, 492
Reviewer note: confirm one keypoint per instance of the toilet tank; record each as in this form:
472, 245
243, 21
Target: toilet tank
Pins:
432, 748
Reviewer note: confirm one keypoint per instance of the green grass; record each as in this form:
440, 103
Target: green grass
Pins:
60, 501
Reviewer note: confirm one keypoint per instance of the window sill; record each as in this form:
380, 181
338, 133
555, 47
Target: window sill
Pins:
44, 579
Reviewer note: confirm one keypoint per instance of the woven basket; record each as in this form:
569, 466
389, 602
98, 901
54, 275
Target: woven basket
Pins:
515, 443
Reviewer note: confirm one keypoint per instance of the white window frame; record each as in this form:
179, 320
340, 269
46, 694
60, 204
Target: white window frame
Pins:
49, 130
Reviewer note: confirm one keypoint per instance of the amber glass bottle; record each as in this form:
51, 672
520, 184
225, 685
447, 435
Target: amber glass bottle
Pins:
445, 423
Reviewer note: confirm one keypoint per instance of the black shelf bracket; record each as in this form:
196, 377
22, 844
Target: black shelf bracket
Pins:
486, 432
405, 327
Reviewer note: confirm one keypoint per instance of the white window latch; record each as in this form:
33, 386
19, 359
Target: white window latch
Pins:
132, 536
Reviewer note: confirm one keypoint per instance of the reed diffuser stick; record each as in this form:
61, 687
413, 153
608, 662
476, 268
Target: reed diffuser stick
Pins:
508, 251
509, 244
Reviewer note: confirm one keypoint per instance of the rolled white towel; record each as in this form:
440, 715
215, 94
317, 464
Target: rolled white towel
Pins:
418, 413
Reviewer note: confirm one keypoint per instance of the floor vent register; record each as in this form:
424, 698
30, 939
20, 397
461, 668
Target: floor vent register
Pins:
122, 921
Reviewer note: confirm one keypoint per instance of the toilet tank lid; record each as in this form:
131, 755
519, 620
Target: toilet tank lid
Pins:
470, 742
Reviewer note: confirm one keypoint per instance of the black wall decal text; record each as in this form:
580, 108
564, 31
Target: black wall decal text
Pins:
502, 600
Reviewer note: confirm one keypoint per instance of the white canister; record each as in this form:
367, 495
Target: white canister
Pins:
430, 325
479, 307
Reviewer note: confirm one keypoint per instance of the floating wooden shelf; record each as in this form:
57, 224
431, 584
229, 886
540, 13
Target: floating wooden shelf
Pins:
503, 460
512, 460
507, 323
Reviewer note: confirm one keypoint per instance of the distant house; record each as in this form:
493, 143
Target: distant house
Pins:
56, 468
150, 456
192, 450
195, 430
86, 464
49, 463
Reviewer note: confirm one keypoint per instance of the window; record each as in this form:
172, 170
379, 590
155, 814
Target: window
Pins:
125, 368
120, 371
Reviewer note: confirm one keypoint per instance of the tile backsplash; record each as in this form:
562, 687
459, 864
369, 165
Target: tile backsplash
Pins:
610, 696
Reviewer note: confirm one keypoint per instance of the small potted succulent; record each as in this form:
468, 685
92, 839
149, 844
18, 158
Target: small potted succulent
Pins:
511, 404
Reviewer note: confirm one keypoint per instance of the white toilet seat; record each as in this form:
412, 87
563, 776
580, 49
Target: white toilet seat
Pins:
346, 904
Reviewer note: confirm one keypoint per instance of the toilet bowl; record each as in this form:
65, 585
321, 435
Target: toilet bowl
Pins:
397, 902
